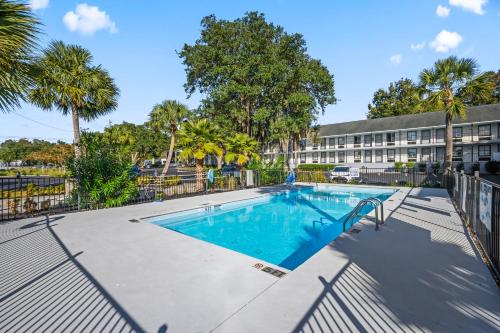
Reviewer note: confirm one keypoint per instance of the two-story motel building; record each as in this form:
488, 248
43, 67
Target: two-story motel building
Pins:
409, 138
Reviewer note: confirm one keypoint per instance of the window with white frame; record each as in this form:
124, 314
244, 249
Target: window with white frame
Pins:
391, 155
331, 143
391, 139
302, 144
357, 156
440, 135
412, 154
458, 152
341, 156
378, 139
302, 157
315, 157
323, 157
368, 140
379, 156
331, 157
323, 143
425, 136
484, 132
315, 144
457, 134
341, 142
368, 156
426, 154
411, 137
440, 152
357, 141
484, 152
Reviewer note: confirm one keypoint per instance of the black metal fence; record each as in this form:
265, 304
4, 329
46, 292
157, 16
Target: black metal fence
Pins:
478, 202
30, 196
375, 176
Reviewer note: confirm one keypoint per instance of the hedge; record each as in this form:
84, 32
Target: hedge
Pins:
315, 167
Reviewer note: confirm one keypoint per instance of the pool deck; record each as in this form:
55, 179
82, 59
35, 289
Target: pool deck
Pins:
96, 270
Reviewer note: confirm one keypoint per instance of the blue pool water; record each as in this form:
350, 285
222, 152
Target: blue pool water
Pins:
283, 229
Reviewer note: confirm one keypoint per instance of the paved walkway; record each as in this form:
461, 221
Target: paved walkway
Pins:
420, 273
95, 271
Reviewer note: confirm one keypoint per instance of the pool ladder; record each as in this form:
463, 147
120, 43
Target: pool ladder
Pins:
375, 202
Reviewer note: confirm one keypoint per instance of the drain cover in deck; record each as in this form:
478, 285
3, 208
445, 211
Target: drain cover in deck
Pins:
354, 231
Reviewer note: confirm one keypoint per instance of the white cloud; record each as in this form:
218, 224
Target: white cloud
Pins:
442, 11
38, 4
88, 19
395, 59
417, 46
475, 6
445, 41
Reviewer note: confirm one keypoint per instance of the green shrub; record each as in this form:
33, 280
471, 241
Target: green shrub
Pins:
436, 166
410, 165
460, 166
104, 179
312, 176
492, 166
398, 166
422, 167
315, 167
475, 167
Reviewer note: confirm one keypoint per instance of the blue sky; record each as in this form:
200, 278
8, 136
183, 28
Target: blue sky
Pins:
365, 44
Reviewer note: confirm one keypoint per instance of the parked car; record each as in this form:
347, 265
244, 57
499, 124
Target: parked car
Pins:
343, 174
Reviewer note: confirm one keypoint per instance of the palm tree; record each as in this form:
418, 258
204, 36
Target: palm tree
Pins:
18, 37
197, 139
442, 83
241, 148
166, 117
67, 80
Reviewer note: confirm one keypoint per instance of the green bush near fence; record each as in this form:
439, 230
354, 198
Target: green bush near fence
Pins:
315, 167
312, 176
492, 166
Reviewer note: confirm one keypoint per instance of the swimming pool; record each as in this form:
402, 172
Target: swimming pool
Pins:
284, 229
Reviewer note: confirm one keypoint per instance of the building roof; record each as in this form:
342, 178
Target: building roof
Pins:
475, 114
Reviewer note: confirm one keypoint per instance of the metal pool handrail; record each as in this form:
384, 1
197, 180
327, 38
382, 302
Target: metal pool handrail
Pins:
375, 202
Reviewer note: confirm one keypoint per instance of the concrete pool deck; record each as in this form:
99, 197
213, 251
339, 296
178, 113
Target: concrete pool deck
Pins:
97, 271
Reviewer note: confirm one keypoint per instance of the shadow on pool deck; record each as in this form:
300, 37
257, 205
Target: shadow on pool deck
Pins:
44, 288
432, 279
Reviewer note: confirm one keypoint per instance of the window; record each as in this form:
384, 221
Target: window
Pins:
357, 141
315, 145
484, 152
412, 154
411, 137
302, 157
323, 143
368, 140
457, 134
302, 144
341, 142
368, 156
379, 156
323, 157
440, 153
391, 139
484, 132
426, 155
331, 143
357, 156
391, 155
378, 139
440, 135
425, 136
341, 156
457, 153
331, 157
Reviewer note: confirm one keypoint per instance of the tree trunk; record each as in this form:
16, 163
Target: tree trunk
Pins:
219, 161
76, 133
170, 154
449, 142
199, 174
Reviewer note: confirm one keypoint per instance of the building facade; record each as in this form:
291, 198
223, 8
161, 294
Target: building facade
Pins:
408, 138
